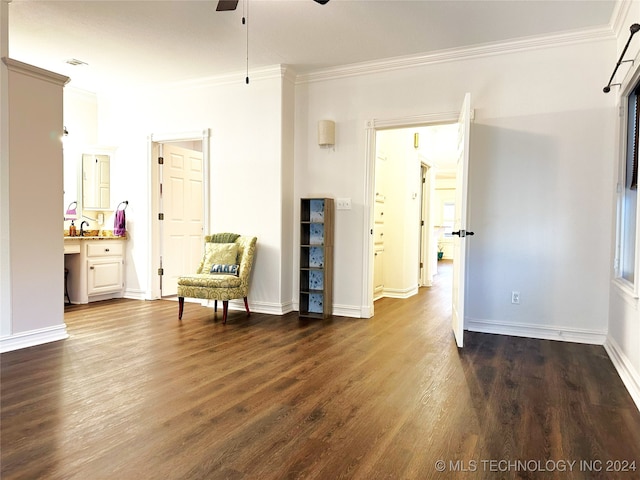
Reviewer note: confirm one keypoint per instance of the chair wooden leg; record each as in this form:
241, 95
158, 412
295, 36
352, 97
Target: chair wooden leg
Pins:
215, 306
246, 306
180, 307
225, 308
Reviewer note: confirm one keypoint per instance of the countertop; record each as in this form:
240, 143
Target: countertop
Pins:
94, 235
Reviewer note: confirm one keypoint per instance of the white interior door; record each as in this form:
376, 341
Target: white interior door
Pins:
183, 208
460, 225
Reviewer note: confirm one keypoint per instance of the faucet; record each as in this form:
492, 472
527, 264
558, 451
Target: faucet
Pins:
82, 227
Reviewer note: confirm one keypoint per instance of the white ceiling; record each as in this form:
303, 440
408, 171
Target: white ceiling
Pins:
168, 41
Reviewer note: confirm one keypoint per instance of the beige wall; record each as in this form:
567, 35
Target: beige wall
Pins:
34, 233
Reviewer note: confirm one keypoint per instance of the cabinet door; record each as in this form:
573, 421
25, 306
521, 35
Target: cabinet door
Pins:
104, 275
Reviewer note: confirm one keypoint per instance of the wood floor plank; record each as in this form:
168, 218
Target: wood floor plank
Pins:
134, 393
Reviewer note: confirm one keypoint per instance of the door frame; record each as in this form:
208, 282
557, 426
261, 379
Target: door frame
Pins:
153, 282
426, 228
371, 128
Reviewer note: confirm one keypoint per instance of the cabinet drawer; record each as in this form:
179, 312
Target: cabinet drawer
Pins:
104, 249
71, 248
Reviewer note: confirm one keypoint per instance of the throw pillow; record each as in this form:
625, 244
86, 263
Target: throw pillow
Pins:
225, 269
223, 237
218, 253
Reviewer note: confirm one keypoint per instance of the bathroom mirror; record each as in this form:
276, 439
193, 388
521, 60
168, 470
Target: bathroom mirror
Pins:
96, 182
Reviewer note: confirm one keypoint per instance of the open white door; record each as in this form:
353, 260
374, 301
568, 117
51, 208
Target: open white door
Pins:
182, 204
460, 233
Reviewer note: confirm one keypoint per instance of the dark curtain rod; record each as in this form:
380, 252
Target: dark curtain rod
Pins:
634, 28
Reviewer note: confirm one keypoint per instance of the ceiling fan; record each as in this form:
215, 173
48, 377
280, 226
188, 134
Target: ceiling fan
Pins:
226, 5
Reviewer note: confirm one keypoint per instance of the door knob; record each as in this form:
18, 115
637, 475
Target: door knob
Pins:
462, 233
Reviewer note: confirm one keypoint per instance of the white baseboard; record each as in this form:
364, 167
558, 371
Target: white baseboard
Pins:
347, 311
400, 293
543, 332
33, 338
351, 311
365, 312
136, 294
630, 377
259, 307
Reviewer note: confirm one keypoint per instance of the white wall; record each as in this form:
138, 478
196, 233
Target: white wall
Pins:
623, 340
81, 120
248, 167
288, 201
539, 179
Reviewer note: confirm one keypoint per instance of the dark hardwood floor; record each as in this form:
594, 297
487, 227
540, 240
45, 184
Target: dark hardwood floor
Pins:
135, 394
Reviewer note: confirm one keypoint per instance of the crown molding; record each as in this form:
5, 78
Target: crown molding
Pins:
288, 74
450, 55
620, 12
35, 72
233, 78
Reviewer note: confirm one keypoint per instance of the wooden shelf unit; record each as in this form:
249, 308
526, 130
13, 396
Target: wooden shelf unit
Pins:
316, 257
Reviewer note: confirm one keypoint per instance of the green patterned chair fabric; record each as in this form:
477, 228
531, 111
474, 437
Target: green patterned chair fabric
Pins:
222, 287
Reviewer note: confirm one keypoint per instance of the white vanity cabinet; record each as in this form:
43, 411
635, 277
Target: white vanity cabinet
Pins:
105, 260
96, 271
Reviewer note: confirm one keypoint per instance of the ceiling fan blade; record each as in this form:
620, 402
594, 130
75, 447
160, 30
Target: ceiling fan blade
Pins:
321, 2
227, 5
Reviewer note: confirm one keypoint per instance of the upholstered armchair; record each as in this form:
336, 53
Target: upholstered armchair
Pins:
223, 273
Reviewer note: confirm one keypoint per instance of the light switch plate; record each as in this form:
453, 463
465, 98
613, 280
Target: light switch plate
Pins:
343, 204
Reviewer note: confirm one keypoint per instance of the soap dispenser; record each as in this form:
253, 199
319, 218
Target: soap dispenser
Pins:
72, 229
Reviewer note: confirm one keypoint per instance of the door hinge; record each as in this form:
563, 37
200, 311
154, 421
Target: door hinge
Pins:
161, 216
421, 265
160, 160
161, 271
422, 223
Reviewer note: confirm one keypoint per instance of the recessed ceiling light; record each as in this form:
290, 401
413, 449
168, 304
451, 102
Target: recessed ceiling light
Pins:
75, 62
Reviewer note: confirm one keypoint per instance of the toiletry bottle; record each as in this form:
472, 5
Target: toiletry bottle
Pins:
72, 229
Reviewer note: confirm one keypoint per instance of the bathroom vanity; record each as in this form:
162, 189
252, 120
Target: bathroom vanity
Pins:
96, 267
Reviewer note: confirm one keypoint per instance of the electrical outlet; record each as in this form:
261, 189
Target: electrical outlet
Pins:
515, 297
343, 204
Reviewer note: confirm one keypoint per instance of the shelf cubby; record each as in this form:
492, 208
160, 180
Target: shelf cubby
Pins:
316, 257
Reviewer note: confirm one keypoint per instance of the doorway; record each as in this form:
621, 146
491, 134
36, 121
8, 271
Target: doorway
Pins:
407, 227
180, 207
